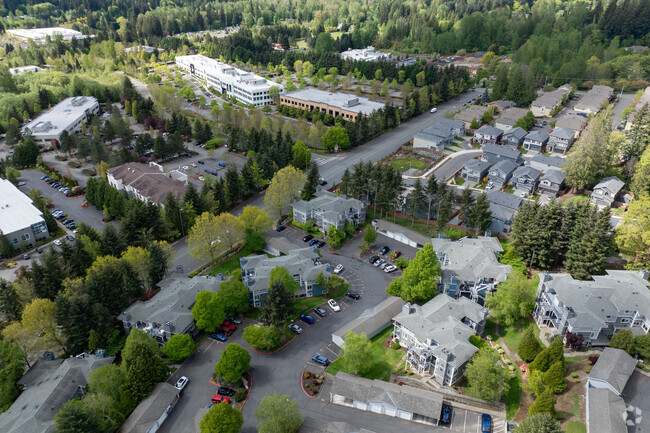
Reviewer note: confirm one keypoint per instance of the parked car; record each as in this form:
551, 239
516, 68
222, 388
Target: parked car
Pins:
384, 265
434, 109
57, 242
333, 305
445, 418
218, 336
26, 256
220, 399
373, 259
21, 184
229, 326
307, 319
338, 269
68, 221
486, 423
353, 295
384, 251
225, 391
307, 238
390, 268
322, 182
320, 311
39, 250
397, 254
70, 238
221, 164
206, 171
313, 242
234, 319
223, 330
378, 263
318, 359
295, 328
280, 228
320, 244
182, 383
194, 164
200, 162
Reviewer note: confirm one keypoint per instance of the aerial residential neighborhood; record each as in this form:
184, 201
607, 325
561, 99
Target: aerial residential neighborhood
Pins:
324, 217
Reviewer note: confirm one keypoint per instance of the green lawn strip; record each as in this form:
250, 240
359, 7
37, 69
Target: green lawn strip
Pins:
404, 164
577, 198
231, 263
572, 359
512, 334
575, 410
575, 427
513, 396
456, 145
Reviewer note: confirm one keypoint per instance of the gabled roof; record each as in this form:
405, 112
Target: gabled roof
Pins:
563, 133
471, 259
512, 113
489, 130
518, 132
507, 166
149, 181
572, 121
554, 176
612, 184
550, 161
150, 409
503, 104
527, 171
505, 151
470, 113
504, 199
615, 367
373, 320
476, 165
537, 136
606, 411
328, 202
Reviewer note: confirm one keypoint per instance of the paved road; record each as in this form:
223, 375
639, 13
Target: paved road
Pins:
455, 163
622, 104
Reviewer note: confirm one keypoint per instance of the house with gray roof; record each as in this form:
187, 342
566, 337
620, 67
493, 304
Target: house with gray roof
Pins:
525, 179
433, 138
501, 105
593, 100
302, 264
573, 121
612, 370
471, 113
327, 209
503, 207
475, 170
509, 117
560, 140
372, 321
494, 153
169, 312
536, 141
149, 415
488, 134
595, 309
546, 103
551, 183
470, 267
436, 336
386, 398
606, 412
604, 194
501, 172
47, 386
514, 137
545, 163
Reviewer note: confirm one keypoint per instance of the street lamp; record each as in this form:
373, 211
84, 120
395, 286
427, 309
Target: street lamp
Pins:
180, 213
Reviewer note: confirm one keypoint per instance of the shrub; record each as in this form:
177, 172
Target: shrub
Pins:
241, 394
89, 172
74, 164
592, 360
574, 375
396, 346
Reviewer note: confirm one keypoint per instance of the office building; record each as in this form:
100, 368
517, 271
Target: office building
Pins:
20, 220
67, 115
346, 105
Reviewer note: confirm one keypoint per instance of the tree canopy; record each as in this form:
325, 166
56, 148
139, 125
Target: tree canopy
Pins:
420, 279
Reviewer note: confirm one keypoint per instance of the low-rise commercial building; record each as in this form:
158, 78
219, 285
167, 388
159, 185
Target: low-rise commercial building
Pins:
22, 69
41, 35
303, 265
67, 115
328, 209
346, 105
20, 221
147, 182
368, 54
245, 87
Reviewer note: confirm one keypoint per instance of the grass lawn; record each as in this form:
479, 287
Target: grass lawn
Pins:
449, 149
575, 427
386, 359
513, 396
511, 334
404, 164
456, 145
459, 181
577, 198
231, 263
572, 359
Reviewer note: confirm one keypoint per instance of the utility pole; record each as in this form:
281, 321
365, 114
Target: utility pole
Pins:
180, 213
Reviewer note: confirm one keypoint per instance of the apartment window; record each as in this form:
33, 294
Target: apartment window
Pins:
593, 335
625, 320
25, 236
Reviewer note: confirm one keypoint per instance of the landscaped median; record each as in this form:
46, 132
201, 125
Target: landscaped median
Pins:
267, 340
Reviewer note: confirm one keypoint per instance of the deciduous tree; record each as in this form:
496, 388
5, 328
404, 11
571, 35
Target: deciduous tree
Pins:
234, 361
633, 235
335, 138
514, 300
203, 237
208, 311
357, 357
222, 418
179, 347
278, 414
419, 281
486, 375
539, 423
255, 219
284, 189
233, 295
624, 340
262, 337
301, 155
12, 367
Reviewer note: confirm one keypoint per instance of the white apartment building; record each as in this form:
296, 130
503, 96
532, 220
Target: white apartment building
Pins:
67, 115
244, 86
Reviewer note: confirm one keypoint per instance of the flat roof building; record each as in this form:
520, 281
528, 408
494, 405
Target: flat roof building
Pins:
67, 115
346, 105
234, 82
22, 69
20, 220
368, 54
40, 35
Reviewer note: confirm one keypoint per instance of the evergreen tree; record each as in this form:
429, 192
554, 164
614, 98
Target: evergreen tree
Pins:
545, 403
309, 189
624, 340
416, 200
529, 346
588, 248
10, 306
112, 243
480, 217
158, 264
500, 87
278, 304
554, 377
232, 187
465, 203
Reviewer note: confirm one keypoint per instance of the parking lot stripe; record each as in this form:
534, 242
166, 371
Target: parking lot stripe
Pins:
465, 423
335, 354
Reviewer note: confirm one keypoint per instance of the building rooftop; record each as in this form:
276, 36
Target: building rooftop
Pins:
470, 113
489, 130
545, 163
554, 176
563, 133
504, 199
537, 136
368, 54
61, 116
329, 202
594, 99
524, 170
373, 320
227, 73
505, 165
607, 411
471, 259
149, 181
572, 121
615, 367
344, 101
17, 210
42, 33
150, 409
513, 114
519, 133
476, 164
407, 398
503, 104
47, 386
505, 151
612, 183
387, 226
551, 99
171, 308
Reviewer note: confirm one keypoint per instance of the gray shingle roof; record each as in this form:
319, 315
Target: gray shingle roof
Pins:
503, 104
537, 136
373, 320
563, 133
571, 121
328, 202
615, 367
554, 176
505, 151
471, 259
407, 398
594, 98
612, 183
606, 411
518, 132
539, 161
150, 409
489, 130
526, 171
476, 164
505, 165
504, 199
512, 113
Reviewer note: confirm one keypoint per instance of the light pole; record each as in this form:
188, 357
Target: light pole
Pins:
180, 213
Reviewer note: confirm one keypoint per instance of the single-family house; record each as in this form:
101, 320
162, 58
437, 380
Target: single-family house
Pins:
433, 138
605, 192
545, 163
536, 141
303, 265
436, 336
503, 207
551, 183
471, 113
328, 209
514, 137
455, 126
501, 105
494, 153
501, 172
470, 267
560, 140
595, 309
573, 121
525, 179
593, 100
488, 134
475, 170
546, 103
509, 117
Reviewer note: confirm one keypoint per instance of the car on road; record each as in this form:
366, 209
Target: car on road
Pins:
319, 359
486, 423
234, 319
373, 259
320, 244
353, 295
39, 250
218, 336
307, 238
333, 305
200, 162
390, 268
57, 242
225, 391
219, 399
21, 184
322, 182
338, 269
295, 328
182, 383
280, 228
384, 250
397, 254
70, 238
307, 319
445, 418
320, 311
26, 256
434, 109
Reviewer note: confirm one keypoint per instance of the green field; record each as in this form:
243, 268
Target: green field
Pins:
577, 198
575, 427
404, 164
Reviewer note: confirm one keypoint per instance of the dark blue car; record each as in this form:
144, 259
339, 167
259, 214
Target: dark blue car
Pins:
318, 359
218, 336
486, 423
280, 228
446, 414
307, 319
313, 242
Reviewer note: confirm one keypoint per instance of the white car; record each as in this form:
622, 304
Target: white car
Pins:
182, 383
57, 242
522, 194
333, 305
194, 164
434, 109
185, 167
338, 269
390, 268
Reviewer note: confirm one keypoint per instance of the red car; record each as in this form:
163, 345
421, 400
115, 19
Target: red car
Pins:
397, 254
229, 326
224, 330
220, 399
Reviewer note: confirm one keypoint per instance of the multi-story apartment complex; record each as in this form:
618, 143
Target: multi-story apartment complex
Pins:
20, 221
328, 209
147, 182
67, 115
243, 86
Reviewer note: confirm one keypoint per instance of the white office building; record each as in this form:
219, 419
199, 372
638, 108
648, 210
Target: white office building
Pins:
67, 115
40, 35
20, 220
22, 69
244, 86
368, 54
